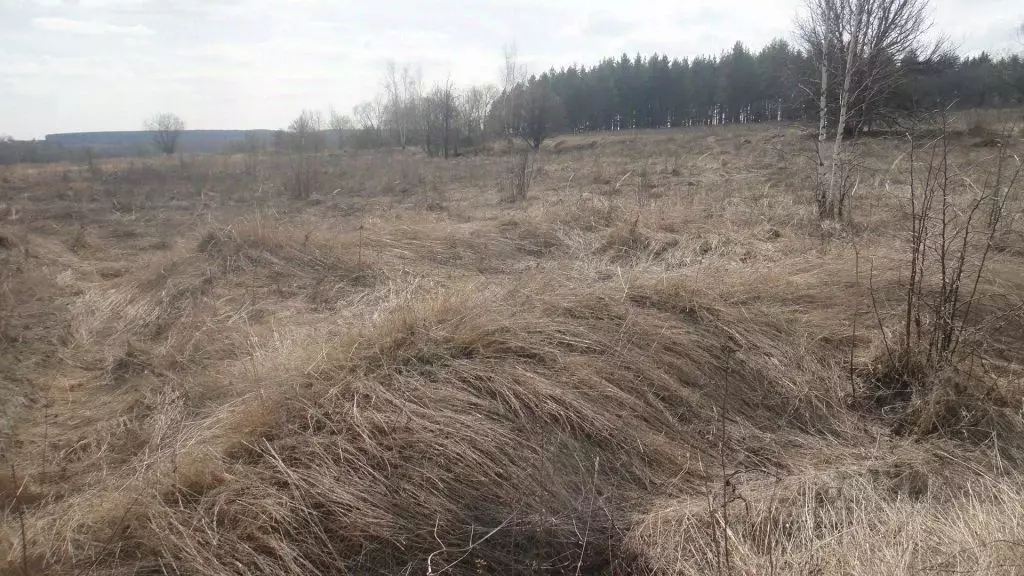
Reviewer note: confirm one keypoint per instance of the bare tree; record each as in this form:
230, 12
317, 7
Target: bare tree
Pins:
448, 116
307, 132
166, 129
396, 101
412, 88
371, 115
859, 44
305, 140
429, 118
401, 88
474, 106
340, 123
364, 116
511, 76
438, 116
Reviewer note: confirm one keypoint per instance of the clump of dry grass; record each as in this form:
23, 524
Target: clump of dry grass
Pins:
590, 213
279, 249
530, 237
627, 240
918, 400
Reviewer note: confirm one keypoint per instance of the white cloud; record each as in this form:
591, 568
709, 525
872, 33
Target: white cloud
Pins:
92, 28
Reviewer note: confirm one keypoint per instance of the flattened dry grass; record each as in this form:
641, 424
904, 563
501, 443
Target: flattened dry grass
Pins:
877, 521
577, 384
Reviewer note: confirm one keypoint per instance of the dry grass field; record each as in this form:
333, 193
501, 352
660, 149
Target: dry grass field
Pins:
659, 363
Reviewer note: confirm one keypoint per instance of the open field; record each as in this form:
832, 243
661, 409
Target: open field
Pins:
659, 363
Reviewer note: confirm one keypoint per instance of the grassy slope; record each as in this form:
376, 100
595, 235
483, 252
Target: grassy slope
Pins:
202, 376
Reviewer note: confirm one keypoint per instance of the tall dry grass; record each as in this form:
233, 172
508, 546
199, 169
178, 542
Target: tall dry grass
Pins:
411, 376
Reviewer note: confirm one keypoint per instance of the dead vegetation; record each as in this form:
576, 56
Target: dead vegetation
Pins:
412, 375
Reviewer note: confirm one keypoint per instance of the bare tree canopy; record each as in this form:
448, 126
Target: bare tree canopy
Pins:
512, 75
340, 123
856, 46
402, 91
307, 131
859, 44
306, 140
439, 114
370, 117
166, 129
474, 106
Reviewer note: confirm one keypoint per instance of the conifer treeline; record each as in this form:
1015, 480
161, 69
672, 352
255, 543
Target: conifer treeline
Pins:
746, 86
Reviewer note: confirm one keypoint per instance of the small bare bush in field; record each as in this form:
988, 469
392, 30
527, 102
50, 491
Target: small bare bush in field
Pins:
305, 175
518, 176
955, 215
305, 142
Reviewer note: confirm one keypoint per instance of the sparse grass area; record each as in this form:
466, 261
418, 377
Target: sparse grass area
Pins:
642, 367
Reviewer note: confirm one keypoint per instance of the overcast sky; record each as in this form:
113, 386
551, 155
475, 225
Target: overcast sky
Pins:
83, 65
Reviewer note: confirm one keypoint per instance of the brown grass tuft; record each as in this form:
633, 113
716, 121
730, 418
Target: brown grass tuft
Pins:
627, 240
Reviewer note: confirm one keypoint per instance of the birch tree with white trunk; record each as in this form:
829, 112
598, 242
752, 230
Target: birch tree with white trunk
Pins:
857, 44
402, 92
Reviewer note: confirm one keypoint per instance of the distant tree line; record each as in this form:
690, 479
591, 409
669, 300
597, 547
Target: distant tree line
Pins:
742, 86
40, 151
775, 83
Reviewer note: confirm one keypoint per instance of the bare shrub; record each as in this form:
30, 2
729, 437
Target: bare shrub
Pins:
304, 173
305, 142
520, 170
950, 245
949, 226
